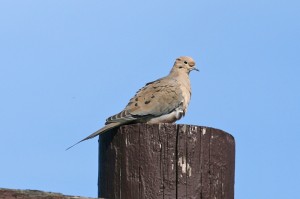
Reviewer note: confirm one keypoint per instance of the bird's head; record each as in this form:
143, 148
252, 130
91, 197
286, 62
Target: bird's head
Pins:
184, 63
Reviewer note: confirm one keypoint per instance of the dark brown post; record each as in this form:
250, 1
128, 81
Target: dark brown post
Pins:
166, 161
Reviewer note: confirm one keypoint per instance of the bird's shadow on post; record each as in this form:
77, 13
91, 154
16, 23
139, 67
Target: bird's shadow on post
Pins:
105, 141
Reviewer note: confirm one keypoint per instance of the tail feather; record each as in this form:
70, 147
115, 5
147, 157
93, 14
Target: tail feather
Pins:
100, 131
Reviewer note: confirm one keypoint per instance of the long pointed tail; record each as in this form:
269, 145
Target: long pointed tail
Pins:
100, 131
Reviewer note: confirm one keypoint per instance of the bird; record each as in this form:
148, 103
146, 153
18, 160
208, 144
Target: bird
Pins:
164, 100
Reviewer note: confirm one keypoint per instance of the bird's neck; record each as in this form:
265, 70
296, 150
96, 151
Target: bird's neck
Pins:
181, 76
175, 73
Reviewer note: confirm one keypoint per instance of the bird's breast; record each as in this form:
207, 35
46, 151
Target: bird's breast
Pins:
185, 88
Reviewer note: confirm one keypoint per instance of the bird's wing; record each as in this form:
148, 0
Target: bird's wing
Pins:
156, 98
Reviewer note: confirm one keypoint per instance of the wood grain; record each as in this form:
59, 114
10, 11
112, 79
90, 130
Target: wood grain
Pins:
163, 161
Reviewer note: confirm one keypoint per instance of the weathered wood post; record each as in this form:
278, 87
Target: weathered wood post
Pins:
166, 161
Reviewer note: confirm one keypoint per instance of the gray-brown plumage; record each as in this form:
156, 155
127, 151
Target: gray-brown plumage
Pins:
162, 101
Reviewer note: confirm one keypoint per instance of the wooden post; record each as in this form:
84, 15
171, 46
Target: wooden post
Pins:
166, 161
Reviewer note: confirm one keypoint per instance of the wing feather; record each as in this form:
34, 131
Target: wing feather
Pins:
154, 99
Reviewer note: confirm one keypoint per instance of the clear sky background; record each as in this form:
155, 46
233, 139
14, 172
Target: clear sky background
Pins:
65, 66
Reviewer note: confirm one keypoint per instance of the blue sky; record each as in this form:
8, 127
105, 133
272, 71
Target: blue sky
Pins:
66, 66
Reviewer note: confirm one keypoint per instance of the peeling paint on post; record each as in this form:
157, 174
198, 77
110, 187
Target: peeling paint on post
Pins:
166, 161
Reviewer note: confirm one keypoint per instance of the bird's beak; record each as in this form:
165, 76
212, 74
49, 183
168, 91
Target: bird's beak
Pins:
196, 69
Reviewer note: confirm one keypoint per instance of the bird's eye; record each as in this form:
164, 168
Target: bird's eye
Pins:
185, 62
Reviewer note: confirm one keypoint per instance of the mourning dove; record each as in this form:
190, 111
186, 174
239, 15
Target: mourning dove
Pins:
162, 101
